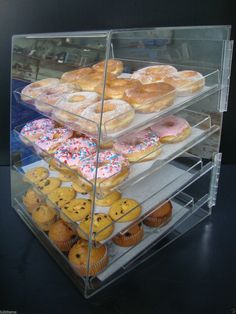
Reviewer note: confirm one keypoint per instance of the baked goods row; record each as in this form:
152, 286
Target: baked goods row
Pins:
72, 243
79, 153
75, 98
75, 203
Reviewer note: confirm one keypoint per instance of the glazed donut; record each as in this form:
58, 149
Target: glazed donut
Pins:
115, 88
33, 90
113, 66
141, 146
116, 115
34, 129
186, 82
52, 139
74, 104
172, 129
51, 95
74, 75
153, 74
90, 81
112, 169
74, 151
150, 97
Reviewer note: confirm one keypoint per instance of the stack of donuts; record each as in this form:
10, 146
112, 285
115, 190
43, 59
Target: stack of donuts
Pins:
76, 98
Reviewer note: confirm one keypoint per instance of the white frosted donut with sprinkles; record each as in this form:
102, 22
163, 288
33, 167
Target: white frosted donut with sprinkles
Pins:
75, 150
36, 128
33, 90
52, 139
140, 146
172, 129
112, 168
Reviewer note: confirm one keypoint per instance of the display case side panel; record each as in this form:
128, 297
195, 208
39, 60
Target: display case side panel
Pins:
100, 109
226, 72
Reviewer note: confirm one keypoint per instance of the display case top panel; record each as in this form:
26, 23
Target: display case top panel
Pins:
42, 56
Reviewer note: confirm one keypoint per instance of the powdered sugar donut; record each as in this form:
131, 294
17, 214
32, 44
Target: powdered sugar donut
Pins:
52, 139
75, 150
172, 129
186, 82
112, 169
116, 115
51, 95
33, 90
73, 104
34, 129
140, 146
154, 73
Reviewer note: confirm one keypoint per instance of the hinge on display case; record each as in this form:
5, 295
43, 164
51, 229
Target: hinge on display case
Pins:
225, 79
214, 180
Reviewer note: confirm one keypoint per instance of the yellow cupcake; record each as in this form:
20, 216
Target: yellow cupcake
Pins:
44, 216
102, 227
77, 209
62, 195
48, 185
36, 174
124, 210
109, 199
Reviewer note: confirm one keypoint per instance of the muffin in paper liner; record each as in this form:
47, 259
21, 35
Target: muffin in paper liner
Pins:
65, 246
78, 258
44, 216
160, 217
62, 235
131, 237
31, 199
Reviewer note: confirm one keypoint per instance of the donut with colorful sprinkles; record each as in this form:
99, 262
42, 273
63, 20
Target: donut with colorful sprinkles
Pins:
75, 150
112, 169
52, 139
140, 146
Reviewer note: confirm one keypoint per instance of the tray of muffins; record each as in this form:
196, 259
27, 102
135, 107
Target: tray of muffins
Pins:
123, 162
105, 258
112, 214
131, 100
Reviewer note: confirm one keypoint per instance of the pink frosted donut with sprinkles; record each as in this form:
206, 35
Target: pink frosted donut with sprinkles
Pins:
140, 146
112, 169
75, 150
34, 129
52, 139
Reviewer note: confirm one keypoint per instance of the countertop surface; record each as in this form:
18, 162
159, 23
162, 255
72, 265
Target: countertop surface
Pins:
195, 274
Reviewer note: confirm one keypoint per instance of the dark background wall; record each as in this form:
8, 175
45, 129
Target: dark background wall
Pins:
29, 16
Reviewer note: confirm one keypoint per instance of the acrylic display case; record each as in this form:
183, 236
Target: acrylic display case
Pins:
184, 173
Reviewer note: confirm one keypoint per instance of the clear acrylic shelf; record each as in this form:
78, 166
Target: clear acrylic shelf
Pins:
141, 120
119, 257
149, 193
201, 129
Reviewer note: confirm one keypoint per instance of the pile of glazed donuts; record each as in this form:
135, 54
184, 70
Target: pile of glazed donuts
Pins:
75, 98
70, 151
